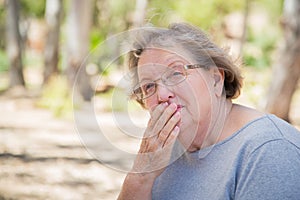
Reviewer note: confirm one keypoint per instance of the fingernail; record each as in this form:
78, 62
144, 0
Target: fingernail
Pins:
174, 105
165, 104
176, 129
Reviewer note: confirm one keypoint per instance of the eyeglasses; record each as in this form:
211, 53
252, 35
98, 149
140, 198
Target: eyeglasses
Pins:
172, 76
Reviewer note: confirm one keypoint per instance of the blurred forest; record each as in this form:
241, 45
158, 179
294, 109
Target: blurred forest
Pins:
47, 46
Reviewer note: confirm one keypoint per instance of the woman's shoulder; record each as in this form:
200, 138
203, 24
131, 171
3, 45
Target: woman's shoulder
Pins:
250, 130
254, 128
243, 117
285, 130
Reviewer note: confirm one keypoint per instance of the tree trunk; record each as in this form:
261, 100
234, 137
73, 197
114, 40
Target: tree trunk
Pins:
139, 13
245, 23
78, 29
287, 67
13, 38
51, 53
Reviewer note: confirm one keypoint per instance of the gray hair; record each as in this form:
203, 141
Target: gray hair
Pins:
196, 43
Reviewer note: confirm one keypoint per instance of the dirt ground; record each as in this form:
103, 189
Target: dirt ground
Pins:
42, 157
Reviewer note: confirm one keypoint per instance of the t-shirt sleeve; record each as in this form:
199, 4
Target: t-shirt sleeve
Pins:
271, 171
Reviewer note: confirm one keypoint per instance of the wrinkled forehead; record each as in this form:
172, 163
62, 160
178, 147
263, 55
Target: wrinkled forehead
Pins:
163, 56
157, 60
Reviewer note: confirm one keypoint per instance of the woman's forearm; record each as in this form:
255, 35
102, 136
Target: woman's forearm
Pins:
137, 187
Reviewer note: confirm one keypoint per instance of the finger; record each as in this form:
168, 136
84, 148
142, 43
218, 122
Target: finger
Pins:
165, 117
172, 136
166, 136
149, 145
152, 109
168, 128
144, 146
157, 111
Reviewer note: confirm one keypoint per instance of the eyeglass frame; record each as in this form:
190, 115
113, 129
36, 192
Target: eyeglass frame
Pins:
185, 67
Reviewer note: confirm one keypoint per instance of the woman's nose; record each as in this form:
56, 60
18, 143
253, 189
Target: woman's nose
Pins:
164, 94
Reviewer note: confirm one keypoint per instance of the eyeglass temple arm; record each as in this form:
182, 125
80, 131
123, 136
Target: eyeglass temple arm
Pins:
194, 66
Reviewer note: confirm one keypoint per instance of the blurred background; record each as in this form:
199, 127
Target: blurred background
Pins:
48, 45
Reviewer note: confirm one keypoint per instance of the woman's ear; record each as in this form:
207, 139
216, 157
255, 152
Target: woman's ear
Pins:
218, 78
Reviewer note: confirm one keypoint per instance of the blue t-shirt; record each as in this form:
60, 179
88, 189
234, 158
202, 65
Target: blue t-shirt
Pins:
260, 161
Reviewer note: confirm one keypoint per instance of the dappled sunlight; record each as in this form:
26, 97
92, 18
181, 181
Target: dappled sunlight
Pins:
44, 152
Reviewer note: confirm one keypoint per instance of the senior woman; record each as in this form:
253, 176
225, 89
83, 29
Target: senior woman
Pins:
187, 84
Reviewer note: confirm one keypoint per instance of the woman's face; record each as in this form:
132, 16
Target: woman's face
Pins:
193, 96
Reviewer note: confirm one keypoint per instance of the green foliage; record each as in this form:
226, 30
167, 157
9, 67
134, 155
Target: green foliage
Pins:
207, 14
262, 42
4, 62
33, 60
33, 8
159, 12
203, 13
112, 16
273, 8
117, 101
259, 48
255, 86
57, 97
2, 26
96, 37
107, 97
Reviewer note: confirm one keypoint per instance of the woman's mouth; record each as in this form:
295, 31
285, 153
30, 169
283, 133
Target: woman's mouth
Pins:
179, 107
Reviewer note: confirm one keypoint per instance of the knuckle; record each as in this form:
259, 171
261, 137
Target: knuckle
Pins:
163, 133
174, 119
168, 112
160, 123
153, 147
172, 136
161, 139
157, 109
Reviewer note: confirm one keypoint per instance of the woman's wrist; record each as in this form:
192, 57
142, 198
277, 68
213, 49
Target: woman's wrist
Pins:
140, 179
137, 186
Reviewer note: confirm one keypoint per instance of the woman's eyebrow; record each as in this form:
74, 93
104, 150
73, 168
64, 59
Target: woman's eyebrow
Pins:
145, 75
174, 58
176, 61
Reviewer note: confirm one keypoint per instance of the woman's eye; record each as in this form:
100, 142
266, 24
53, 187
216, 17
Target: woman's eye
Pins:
148, 87
177, 73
